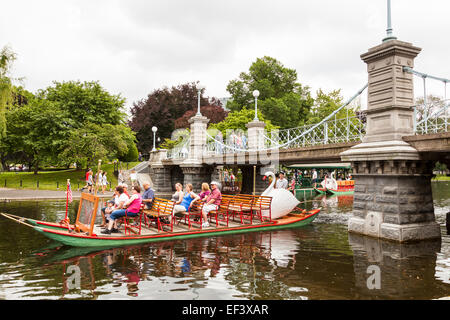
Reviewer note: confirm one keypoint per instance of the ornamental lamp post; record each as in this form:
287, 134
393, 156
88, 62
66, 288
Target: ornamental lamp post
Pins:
200, 87
389, 31
154, 129
256, 95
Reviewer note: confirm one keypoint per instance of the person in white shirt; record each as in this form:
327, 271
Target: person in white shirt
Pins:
104, 182
314, 178
282, 182
133, 177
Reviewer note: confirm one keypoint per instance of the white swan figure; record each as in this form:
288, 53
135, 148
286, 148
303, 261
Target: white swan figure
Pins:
283, 201
331, 182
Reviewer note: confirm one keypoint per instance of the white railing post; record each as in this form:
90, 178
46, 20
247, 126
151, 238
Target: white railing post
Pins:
348, 127
415, 120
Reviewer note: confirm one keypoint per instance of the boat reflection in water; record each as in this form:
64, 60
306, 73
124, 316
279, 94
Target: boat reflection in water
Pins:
316, 262
243, 265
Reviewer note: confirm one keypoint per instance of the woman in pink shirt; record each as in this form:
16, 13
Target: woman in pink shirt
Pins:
133, 206
205, 191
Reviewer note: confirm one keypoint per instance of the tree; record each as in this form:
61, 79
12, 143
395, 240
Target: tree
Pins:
46, 129
7, 57
95, 142
283, 100
86, 102
37, 131
160, 109
324, 105
237, 120
433, 105
215, 114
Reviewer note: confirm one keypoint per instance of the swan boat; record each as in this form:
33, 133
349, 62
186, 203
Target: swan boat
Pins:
86, 233
333, 187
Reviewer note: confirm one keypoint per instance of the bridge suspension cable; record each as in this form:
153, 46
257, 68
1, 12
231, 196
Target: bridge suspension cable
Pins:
425, 111
279, 146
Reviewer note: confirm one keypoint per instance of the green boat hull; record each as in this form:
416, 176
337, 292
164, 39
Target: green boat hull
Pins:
92, 242
341, 193
320, 191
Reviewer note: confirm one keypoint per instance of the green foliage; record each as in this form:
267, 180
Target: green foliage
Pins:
282, 100
36, 130
7, 57
169, 144
95, 142
325, 104
286, 112
239, 119
69, 122
86, 102
132, 154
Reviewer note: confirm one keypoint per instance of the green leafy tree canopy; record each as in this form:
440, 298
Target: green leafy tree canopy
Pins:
282, 99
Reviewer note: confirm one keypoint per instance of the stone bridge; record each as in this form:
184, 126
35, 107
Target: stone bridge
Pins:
392, 153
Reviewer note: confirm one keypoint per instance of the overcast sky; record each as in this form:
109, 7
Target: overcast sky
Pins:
135, 46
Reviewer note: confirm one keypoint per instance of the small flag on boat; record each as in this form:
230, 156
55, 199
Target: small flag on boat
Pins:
69, 193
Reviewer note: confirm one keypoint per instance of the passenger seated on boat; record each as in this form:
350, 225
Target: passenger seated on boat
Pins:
177, 197
106, 211
125, 189
130, 208
212, 202
206, 191
148, 196
188, 199
120, 198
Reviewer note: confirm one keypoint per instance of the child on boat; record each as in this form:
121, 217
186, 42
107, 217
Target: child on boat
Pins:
133, 206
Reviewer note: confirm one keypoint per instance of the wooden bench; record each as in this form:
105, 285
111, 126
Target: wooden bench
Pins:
161, 211
129, 222
242, 205
260, 204
195, 214
254, 204
222, 213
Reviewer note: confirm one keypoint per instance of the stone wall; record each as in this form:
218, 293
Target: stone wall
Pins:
161, 177
393, 200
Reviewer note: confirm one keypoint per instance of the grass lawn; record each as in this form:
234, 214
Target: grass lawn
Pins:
441, 178
51, 180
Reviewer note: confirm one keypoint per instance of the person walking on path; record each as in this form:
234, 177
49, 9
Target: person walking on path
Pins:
86, 179
133, 177
104, 182
90, 181
98, 180
120, 177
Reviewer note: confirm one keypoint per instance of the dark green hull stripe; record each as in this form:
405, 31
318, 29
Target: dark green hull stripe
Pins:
92, 242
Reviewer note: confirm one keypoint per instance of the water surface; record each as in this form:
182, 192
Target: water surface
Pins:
320, 261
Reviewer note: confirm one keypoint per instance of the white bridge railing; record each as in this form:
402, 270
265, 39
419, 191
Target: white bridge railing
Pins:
429, 117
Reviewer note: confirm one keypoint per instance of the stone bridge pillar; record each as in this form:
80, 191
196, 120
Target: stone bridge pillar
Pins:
199, 125
160, 174
255, 134
393, 197
194, 169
